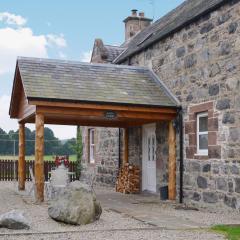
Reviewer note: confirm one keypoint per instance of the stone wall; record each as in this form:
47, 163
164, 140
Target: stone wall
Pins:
200, 64
162, 154
106, 155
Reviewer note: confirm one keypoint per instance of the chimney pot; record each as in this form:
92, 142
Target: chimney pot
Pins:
141, 14
134, 12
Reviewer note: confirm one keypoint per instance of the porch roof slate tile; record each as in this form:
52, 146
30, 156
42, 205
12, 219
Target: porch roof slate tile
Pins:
107, 83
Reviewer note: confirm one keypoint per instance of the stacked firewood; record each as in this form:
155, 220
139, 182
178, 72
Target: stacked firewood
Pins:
128, 180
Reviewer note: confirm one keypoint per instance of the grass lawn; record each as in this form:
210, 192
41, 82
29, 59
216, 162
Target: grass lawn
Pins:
231, 231
46, 158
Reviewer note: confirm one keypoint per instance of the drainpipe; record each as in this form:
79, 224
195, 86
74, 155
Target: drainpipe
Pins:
180, 115
119, 148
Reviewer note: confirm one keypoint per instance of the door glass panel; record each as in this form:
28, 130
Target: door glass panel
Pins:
153, 148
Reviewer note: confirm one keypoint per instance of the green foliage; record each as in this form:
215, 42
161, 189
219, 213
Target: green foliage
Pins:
52, 145
231, 231
79, 151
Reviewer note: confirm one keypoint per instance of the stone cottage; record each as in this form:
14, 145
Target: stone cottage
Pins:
195, 51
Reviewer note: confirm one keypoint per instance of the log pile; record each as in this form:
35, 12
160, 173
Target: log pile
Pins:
128, 180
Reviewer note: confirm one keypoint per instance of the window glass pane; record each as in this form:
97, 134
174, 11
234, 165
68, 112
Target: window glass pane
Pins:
203, 141
203, 124
92, 136
149, 149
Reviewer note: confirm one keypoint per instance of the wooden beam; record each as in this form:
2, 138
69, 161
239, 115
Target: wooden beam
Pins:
126, 136
98, 113
21, 158
172, 162
39, 154
106, 106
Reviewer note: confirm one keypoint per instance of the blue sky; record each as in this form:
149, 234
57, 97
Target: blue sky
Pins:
61, 29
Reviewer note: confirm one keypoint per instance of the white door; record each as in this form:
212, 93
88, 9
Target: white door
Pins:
149, 158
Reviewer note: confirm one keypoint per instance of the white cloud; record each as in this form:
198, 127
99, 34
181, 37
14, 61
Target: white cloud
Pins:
19, 42
57, 40
23, 42
12, 19
6, 123
86, 56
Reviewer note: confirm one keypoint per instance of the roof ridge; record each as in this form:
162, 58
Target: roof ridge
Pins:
189, 11
82, 63
108, 45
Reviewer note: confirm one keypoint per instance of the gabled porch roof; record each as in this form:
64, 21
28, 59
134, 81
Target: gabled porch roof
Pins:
75, 93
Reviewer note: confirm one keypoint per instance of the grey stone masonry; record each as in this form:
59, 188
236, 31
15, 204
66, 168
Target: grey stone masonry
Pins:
200, 64
105, 167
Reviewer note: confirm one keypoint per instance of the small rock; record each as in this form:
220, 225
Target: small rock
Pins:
202, 182
190, 60
207, 168
180, 52
228, 118
237, 185
230, 201
225, 48
210, 197
213, 90
223, 104
195, 167
232, 27
214, 69
189, 97
234, 169
206, 28
196, 196
14, 220
223, 18
222, 184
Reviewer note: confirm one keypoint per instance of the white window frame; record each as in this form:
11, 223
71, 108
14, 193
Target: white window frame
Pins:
203, 152
91, 145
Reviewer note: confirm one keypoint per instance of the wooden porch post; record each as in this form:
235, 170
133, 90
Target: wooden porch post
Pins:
172, 162
21, 158
125, 160
39, 154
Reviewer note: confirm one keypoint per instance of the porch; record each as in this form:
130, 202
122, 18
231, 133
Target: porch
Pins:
121, 96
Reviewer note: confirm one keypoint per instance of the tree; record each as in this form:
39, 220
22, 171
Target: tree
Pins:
51, 143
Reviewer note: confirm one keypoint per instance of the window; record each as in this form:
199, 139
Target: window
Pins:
91, 145
202, 133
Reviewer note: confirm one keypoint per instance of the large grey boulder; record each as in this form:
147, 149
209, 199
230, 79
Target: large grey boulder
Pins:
14, 220
76, 204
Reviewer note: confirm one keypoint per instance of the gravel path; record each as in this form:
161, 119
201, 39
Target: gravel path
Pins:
112, 225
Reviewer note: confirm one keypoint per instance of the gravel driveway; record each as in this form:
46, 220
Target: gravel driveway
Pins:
112, 225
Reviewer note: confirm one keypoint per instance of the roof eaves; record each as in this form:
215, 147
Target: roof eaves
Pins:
99, 102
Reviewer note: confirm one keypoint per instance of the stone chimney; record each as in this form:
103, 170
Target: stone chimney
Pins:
135, 23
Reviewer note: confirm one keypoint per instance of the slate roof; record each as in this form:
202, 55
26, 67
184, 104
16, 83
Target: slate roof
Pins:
113, 52
184, 14
86, 82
